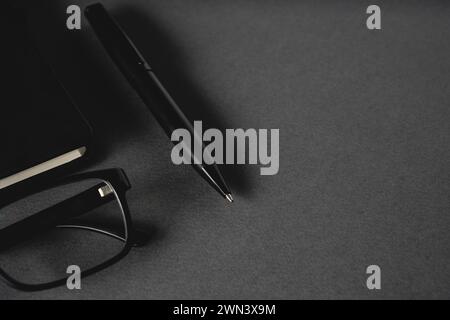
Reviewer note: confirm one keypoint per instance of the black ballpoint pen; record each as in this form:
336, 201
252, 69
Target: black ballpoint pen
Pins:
140, 75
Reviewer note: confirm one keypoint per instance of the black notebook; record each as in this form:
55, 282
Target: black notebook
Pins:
40, 128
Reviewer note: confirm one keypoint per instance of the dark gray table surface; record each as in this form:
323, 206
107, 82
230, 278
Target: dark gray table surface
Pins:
364, 147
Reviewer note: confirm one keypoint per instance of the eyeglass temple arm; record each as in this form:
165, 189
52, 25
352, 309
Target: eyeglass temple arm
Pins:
59, 213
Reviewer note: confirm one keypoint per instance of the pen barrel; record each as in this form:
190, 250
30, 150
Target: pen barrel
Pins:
135, 68
170, 117
159, 102
137, 71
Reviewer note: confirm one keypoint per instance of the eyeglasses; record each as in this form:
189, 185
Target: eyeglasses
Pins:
82, 221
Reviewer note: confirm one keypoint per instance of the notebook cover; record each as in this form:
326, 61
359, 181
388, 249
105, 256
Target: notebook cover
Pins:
38, 120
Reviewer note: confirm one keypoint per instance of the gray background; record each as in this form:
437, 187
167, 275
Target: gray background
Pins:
364, 147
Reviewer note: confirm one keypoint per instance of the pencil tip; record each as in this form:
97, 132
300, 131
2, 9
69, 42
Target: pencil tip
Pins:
229, 197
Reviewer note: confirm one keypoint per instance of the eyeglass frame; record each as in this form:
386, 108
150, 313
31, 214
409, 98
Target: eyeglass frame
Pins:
117, 180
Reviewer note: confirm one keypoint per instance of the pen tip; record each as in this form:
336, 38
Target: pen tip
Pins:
229, 197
